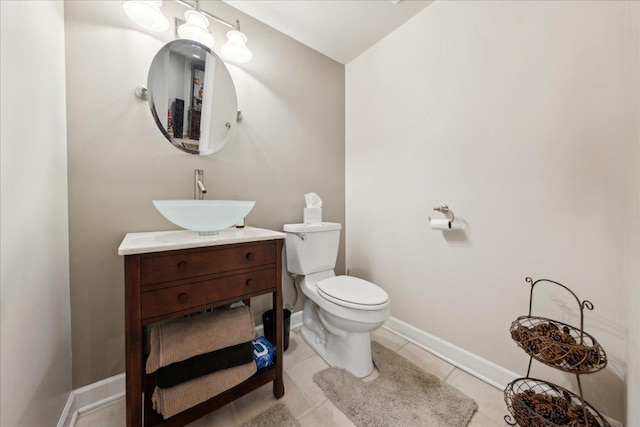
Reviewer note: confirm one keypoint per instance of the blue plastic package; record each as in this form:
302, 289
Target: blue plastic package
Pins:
262, 352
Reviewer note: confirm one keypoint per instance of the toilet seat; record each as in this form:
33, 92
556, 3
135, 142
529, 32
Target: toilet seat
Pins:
351, 292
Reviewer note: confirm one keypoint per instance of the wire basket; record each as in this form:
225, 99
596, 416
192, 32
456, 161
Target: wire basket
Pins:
558, 344
537, 403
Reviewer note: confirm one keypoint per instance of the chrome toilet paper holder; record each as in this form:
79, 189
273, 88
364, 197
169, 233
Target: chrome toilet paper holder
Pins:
444, 209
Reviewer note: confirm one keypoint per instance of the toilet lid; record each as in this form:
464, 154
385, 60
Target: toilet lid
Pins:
350, 291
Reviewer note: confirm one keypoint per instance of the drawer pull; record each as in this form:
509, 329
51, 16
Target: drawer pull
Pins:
249, 282
182, 266
250, 256
183, 298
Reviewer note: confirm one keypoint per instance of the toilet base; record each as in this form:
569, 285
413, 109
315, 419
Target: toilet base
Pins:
351, 352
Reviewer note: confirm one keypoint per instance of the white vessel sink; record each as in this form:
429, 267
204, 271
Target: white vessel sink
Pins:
204, 216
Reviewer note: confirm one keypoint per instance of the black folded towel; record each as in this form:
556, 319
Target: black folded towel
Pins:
204, 364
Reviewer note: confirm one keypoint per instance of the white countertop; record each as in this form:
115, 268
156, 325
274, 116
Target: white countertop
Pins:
158, 241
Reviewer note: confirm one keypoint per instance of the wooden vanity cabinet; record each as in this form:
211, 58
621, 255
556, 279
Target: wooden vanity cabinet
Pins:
169, 284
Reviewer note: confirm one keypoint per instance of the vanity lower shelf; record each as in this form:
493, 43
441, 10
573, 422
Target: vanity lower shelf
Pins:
259, 379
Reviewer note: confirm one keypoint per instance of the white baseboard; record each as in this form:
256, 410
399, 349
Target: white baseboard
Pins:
296, 319
471, 363
104, 392
90, 397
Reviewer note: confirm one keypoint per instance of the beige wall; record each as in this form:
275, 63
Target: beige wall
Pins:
290, 142
35, 344
631, 218
513, 113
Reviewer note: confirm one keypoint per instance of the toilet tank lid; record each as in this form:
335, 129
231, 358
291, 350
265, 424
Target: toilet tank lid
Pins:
311, 228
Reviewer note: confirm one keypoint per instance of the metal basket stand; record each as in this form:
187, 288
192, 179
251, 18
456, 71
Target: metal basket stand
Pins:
532, 401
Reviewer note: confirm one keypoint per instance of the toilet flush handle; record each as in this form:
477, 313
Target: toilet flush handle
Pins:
301, 235
331, 328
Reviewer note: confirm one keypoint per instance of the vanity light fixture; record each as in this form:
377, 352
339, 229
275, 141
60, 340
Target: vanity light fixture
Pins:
196, 28
235, 49
146, 14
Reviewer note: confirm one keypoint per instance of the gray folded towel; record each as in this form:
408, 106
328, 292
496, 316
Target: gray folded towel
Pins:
177, 340
170, 401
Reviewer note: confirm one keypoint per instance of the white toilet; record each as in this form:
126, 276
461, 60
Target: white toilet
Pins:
340, 311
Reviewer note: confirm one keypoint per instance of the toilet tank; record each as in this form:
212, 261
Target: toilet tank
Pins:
312, 248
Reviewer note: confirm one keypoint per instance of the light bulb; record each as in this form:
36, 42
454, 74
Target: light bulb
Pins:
236, 49
146, 14
196, 28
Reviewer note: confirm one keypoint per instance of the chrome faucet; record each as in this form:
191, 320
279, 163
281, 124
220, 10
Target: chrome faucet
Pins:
198, 187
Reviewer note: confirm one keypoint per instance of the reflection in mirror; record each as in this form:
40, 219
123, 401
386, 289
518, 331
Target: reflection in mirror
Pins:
192, 97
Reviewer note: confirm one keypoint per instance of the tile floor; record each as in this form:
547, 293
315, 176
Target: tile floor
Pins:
307, 402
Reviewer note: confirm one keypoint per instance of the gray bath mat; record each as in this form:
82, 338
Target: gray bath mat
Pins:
402, 395
276, 416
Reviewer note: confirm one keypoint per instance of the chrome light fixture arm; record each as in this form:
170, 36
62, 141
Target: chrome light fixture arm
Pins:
195, 5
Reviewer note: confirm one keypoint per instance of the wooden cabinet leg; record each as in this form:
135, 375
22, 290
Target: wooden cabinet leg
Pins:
134, 397
133, 341
278, 384
278, 388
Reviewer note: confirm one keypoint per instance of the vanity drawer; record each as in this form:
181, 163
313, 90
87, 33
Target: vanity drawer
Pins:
176, 298
158, 269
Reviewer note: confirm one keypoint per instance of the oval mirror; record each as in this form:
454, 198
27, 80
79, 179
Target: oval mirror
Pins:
192, 97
